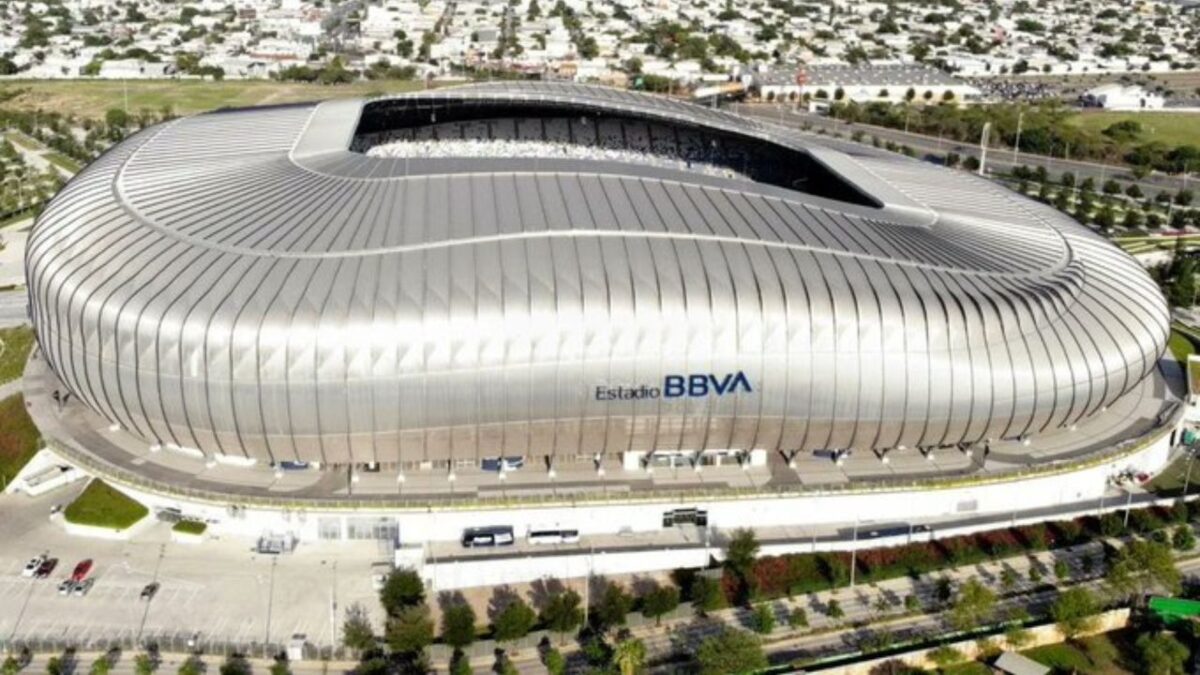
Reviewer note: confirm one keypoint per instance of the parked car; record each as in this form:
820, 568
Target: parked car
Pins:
149, 591
64, 586
82, 570
81, 588
32, 566
45, 568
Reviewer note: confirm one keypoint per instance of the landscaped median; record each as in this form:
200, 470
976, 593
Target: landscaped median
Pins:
188, 531
103, 511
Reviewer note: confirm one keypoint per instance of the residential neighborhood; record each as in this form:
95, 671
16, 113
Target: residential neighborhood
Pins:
651, 43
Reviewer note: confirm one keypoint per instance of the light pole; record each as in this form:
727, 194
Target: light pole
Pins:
983, 141
853, 551
1017, 143
1187, 480
1128, 504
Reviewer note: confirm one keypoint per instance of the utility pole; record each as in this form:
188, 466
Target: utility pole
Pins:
983, 141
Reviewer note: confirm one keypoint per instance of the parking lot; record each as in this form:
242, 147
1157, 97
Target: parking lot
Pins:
221, 590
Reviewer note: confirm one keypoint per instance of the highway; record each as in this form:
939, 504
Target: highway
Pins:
997, 158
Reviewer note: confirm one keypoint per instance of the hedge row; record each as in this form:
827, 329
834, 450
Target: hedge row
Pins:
795, 574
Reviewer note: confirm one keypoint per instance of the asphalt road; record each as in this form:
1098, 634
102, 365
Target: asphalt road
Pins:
997, 158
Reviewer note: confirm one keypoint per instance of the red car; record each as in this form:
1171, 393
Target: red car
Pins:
82, 570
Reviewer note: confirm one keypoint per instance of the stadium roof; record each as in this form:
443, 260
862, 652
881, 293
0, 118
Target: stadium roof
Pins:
244, 282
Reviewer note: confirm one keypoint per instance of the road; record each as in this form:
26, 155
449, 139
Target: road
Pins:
997, 158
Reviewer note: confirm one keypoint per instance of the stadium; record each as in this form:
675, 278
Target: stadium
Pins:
560, 280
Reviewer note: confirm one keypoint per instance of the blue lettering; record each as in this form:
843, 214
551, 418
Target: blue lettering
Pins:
673, 386
740, 380
698, 385
720, 385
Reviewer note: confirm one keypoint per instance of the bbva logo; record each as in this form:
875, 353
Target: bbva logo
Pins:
703, 384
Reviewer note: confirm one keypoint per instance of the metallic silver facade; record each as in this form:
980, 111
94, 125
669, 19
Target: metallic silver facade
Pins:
243, 284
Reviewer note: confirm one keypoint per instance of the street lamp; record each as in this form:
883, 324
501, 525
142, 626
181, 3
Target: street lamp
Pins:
1187, 480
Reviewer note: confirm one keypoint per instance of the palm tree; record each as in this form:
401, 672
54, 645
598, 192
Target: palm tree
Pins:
629, 657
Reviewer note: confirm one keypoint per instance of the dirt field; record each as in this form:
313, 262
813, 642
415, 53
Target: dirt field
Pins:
91, 98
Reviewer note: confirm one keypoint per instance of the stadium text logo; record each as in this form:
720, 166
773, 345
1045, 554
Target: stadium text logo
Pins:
696, 385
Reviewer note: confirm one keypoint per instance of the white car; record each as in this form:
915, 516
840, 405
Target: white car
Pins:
81, 588
32, 566
65, 586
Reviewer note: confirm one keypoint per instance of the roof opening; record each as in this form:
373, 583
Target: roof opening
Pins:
546, 129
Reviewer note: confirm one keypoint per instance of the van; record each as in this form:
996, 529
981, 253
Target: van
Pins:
483, 537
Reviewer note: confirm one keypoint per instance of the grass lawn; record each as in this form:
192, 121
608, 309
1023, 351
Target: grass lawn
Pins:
21, 140
1169, 482
1168, 127
62, 161
92, 98
190, 527
102, 506
19, 438
15, 344
1180, 346
970, 668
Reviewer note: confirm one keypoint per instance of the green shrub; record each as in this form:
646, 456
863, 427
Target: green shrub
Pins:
190, 527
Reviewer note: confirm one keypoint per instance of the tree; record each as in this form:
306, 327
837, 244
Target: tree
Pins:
629, 657
613, 608
660, 601
101, 666
706, 595
1074, 611
563, 613
1061, 570
10, 666
730, 651
513, 622
460, 664
1184, 197
144, 664
280, 666
235, 664
555, 662
1142, 566
833, 609
54, 666
973, 606
357, 632
1162, 654
740, 554
410, 631
458, 625
401, 590
1183, 539
192, 666
764, 619
798, 618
